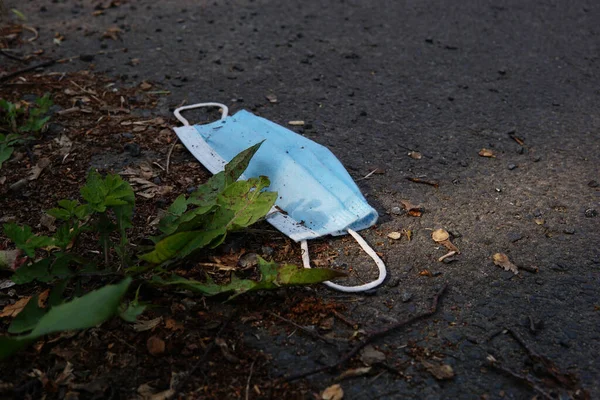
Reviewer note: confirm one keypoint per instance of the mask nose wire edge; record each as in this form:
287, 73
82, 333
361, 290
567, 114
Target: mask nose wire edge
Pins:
367, 249
185, 122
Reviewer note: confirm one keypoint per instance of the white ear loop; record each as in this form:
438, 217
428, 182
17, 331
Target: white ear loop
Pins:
367, 249
185, 122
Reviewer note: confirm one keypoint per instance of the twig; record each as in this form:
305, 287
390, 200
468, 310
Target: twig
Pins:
6, 53
22, 71
303, 329
169, 154
419, 180
522, 378
202, 359
248, 381
371, 337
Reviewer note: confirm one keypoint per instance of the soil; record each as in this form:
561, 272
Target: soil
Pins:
377, 83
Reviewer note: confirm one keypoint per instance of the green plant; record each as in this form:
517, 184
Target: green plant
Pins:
18, 120
223, 204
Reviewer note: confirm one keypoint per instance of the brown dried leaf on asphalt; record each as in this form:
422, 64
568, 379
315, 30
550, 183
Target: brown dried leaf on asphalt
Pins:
333, 392
413, 210
442, 237
487, 153
439, 371
113, 33
502, 260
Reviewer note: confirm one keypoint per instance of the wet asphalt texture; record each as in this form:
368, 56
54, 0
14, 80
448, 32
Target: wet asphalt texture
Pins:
374, 80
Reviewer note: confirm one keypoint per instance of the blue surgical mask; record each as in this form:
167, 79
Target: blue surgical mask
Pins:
317, 195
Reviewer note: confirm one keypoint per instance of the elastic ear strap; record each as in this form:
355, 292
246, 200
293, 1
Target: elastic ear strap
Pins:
185, 122
367, 249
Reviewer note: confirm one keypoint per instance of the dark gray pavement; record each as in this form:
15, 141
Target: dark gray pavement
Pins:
376, 80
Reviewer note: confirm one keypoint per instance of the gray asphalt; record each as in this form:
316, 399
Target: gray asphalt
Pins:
376, 80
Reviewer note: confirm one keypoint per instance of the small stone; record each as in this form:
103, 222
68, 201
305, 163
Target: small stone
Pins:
569, 231
394, 235
511, 166
591, 213
406, 297
464, 164
397, 211
191, 189
156, 181
537, 213
248, 260
133, 149
128, 135
537, 159
267, 251
593, 184
514, 236
394, 282
520, 150
449, 260
371, 355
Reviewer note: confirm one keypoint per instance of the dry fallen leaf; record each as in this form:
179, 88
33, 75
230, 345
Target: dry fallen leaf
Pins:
12, 310
415, 155
112, 33
394, 235
486, 153
439, 371
439, 235
173, 325
407, 233
352, 373
37, 169
442, 237
145, 86
426, 272
413, 210
333, 392
502, 260
141, 325
296, 123
155, 345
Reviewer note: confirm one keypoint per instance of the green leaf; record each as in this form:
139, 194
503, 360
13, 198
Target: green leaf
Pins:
109, 192
55, 298
25, 240
273, 276
180, 245
236, 167
243, 203
5, 153
134, 309
39, 271
28, 318
81, 313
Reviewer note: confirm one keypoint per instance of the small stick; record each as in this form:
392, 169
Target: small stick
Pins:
22, 71
524, 379
169, 154
372, 336
303, 329
248, 381
419, 180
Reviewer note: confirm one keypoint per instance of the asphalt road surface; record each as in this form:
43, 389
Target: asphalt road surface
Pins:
375, 80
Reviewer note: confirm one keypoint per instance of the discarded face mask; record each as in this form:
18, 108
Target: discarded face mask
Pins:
315, 191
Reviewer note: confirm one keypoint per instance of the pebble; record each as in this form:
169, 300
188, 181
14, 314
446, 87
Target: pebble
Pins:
537, 159
511, 166
394, 282
406, 297
569, 231
128, 135
591, 213
191, 189
593, 184
514, 236
449, 260
267, 251
248, 260
396, 210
